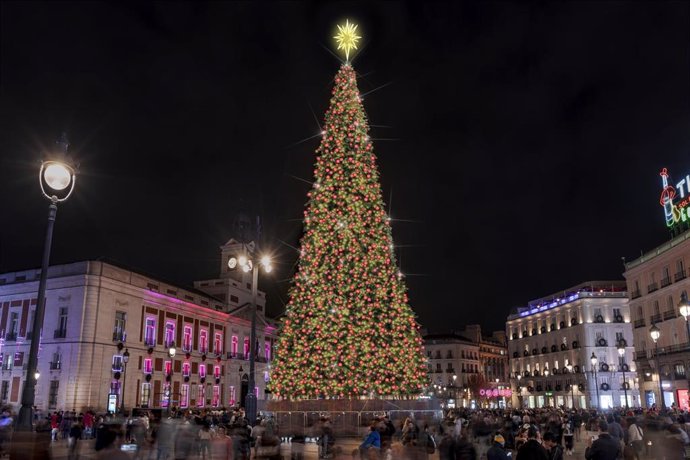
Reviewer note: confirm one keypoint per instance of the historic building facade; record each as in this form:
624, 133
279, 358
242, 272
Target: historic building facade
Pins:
95, 311
656, 283
551, 343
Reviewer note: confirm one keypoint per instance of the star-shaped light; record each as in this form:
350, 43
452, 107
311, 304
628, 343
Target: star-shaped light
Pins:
347, 38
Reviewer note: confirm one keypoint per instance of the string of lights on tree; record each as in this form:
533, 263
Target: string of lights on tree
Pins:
349, 330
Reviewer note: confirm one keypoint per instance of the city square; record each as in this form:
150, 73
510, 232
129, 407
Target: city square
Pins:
386, 230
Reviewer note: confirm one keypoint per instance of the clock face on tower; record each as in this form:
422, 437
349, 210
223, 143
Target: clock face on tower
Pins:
232, 263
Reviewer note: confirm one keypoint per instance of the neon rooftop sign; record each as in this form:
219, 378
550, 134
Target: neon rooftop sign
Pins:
675, 200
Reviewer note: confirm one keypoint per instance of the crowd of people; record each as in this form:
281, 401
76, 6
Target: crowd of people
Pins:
463, 434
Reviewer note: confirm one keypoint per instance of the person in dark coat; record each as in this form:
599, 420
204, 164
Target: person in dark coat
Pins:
605, 447
554, 448
497, 451
446, 447
464, 449
532, 449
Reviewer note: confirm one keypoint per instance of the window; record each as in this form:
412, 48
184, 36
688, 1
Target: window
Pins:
187, 338
232, 395
267, 350
216, 372
186, 369
117, 363
200, 396
62, 320
597, 313
203, 341
119, 328
680, 370
616, 312
165, 395
4, 389
169, 334
7, 362
202, 371
150, 332
246, 346
234, 299
619, 337
18, 358
640, 314
184, 395
14, 323
168, 367
53, 393
145, 394
218, 343
235, 344
215, 402
438, 367
148, 366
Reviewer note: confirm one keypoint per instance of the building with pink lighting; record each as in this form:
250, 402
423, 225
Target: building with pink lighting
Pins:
96, 310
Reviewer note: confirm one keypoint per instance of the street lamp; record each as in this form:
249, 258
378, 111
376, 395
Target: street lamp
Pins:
171, 353
245, 263
125, 360
593, 359
37, 375
572, 385
655, 333
621, 353
57, 180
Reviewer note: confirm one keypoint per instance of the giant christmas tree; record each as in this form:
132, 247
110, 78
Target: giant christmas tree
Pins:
348, 330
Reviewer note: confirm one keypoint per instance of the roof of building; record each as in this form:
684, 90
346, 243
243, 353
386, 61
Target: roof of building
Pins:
454, 336
659, 250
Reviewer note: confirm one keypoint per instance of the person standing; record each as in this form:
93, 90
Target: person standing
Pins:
603, 448
371, 447
532, 449
497, 451
635, 437
554, 448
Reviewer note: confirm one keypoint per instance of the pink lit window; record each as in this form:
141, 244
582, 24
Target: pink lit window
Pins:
216, 396
203, 341
200, 396
232, 395
168, 367
218, 343
165, 395
267, 350
169, 334
186, 369
246, 346
235, 345
216, 372
202, 371
150, 332
148, 366
187, 338
184, 395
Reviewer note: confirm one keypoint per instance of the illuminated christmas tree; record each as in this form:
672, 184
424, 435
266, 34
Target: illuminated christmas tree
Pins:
348, 330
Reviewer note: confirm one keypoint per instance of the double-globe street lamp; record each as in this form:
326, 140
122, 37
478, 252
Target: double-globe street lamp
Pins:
57, 178
655, 333
621, 353
172, 351
572, 385
246, 264
593, 359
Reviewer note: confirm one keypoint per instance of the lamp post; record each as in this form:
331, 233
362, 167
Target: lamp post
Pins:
593, 359
519, 389
655, 333
125, 360
621, 353
57, 182
171, 353
247, 265
684, 307
572, 386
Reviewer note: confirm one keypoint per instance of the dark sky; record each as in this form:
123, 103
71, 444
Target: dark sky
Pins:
524, 140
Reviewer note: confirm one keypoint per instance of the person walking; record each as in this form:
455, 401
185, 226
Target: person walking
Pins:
497, 451
635, 437
605, 447
532, 449
75, 432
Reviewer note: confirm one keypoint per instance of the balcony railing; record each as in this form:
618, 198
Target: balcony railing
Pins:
655, 318
670, 314
10, 336
119, 336
639, 323
652, 287
680, 275
60, 334
665, 281
55, 366
149, 341
635, 294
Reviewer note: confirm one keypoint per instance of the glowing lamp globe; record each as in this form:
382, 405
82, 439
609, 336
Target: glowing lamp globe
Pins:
242, 260
654, 333
57, 176
684, 307
593, 359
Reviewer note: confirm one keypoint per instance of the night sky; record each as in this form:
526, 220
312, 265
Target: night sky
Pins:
519, 145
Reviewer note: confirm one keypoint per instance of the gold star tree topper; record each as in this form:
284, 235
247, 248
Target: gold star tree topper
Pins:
347, 38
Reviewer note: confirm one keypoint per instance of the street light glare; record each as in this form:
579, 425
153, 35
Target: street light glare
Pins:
265, 261
242, 260
268, 268
57, 176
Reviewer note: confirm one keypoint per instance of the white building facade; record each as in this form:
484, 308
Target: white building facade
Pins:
95, 311
552, 340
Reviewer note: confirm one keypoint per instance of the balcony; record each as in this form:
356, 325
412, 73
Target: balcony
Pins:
670, 314
652, 287
635, 294
639, 323
450, 371
60, 333
681, 275
55, 366
655, 318
119, 336
665, 281
10, 337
